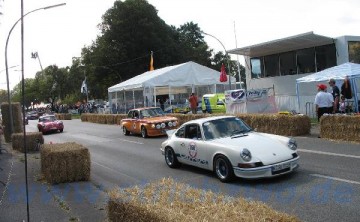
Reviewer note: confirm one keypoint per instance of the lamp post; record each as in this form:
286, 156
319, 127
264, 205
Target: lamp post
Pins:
226, 55
6, 62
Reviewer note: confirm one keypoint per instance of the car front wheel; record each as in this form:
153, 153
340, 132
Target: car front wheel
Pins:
125, 131
143, 132
170, 158
223, 169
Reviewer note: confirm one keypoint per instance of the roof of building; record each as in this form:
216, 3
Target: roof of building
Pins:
301, 41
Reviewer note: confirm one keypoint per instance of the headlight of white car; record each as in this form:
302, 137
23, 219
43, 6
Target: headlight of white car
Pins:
292, 144
245, 155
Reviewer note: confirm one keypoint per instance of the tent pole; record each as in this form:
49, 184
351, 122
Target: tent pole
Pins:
297, 93
125, 101
155, 96
134, 98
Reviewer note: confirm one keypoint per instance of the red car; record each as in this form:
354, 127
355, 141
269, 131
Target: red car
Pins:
49, 123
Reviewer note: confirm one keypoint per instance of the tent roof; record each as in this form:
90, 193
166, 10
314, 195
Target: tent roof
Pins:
189, 73
301, 41
352, 70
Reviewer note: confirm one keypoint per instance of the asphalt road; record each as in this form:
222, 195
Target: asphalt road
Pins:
326, 187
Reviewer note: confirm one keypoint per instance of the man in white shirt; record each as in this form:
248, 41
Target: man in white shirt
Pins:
323, 101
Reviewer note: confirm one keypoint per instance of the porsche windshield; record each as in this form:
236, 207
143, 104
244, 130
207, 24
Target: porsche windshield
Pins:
224, 127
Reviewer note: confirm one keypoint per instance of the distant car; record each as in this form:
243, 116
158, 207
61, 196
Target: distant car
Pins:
49, 123
150, 121
229, 147
32, 115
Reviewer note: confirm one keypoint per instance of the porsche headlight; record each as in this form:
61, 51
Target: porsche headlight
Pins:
245, 155
158, 126
163, 125
292, 144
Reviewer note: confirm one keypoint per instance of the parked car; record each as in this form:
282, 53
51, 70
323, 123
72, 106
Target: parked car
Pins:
229, 147
150, 121
49, 123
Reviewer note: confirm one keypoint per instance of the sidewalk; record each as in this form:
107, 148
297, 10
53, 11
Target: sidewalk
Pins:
79, 201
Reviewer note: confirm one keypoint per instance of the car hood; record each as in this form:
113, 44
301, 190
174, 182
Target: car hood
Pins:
158, 119
267, 148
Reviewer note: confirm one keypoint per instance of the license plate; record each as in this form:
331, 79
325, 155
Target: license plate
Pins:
280, 167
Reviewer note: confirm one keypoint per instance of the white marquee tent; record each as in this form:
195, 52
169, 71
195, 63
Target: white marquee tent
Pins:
350, 70
189, 74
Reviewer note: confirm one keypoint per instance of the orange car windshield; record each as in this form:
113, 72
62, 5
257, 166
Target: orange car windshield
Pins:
146, 113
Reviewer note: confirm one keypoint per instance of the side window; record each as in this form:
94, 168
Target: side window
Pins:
130, 114
136, 114
193, 132
180, 133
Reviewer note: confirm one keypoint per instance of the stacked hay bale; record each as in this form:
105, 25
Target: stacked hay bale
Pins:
167, 200
65, 162
33, 141
63, 116
340, 127
17, 120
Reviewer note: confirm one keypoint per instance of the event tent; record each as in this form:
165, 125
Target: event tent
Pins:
350, 70
185, 74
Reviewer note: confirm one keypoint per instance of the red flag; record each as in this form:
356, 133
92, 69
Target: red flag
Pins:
223, 77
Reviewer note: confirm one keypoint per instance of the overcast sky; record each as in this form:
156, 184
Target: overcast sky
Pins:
58, 34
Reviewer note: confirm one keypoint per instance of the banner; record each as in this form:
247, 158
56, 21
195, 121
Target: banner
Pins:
235, 96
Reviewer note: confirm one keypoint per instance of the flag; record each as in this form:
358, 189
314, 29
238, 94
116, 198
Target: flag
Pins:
151, 62
84, 86
223, 77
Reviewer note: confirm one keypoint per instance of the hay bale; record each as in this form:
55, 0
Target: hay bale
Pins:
17, 120
167, 200
33, 140
63, 116
340, 127
65, 162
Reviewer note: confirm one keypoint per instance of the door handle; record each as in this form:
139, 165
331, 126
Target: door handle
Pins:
182, 144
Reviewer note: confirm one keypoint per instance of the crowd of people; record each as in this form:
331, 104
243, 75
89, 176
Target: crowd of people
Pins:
334, 100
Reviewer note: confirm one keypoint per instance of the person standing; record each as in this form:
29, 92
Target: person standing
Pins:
322, 101
193, 100
336, 95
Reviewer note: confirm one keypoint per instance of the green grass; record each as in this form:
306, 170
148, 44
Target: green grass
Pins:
75, 116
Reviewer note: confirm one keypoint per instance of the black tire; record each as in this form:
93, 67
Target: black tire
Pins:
223, 169
143, 132
170, 158
125, 131
61, 130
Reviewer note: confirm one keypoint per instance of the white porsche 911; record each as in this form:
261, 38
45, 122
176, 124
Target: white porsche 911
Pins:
229, 147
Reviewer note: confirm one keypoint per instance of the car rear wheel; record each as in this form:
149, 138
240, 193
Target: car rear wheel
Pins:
125, 131
143, 132
61, 130
170, 158
223, 169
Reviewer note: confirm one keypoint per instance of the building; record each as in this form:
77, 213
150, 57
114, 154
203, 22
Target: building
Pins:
280, 62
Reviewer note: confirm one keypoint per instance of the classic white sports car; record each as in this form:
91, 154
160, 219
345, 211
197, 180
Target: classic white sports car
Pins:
228, 146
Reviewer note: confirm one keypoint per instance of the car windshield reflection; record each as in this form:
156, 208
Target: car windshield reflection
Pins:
146, 113
226, 127
47, 119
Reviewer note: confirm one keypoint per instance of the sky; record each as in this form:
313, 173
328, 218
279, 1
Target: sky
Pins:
59, 34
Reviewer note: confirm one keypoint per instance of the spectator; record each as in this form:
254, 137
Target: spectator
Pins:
322, 100
193, 100
346, 89
342, 105
336, 95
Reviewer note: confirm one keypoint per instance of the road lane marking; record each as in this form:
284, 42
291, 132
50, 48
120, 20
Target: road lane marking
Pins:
335, 178
130, 141
123, 174
328, 153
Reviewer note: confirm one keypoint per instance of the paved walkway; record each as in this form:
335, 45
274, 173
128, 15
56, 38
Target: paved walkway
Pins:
80, 201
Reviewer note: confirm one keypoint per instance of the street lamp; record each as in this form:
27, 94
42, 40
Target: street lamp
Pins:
6, 62
226, 55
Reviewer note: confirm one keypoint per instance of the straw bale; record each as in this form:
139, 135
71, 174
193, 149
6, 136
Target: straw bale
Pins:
63, 116
65, 162
167, 200
33, 141
340, 127
17, 120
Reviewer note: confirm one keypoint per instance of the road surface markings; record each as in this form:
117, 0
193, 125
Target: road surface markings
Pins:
123, 174
335, 178
130, 141
330, 154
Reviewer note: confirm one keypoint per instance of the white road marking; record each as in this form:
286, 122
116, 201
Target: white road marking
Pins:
130, 141
123, 174
328, 153
335, 178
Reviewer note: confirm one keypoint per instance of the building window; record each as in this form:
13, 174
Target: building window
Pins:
271, 65
354, 52
256, 68
288, 63
306, 60
325, 57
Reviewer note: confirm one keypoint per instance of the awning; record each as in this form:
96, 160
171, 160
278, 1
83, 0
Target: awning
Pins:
302, 41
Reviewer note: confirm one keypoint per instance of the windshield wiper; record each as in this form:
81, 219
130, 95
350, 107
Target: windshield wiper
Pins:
238, 133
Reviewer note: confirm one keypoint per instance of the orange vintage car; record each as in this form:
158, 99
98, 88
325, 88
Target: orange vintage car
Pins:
150, 121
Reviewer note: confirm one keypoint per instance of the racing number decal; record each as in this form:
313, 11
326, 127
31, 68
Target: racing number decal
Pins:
192, 150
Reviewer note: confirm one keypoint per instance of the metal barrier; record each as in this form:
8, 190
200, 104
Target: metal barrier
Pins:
309, 106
